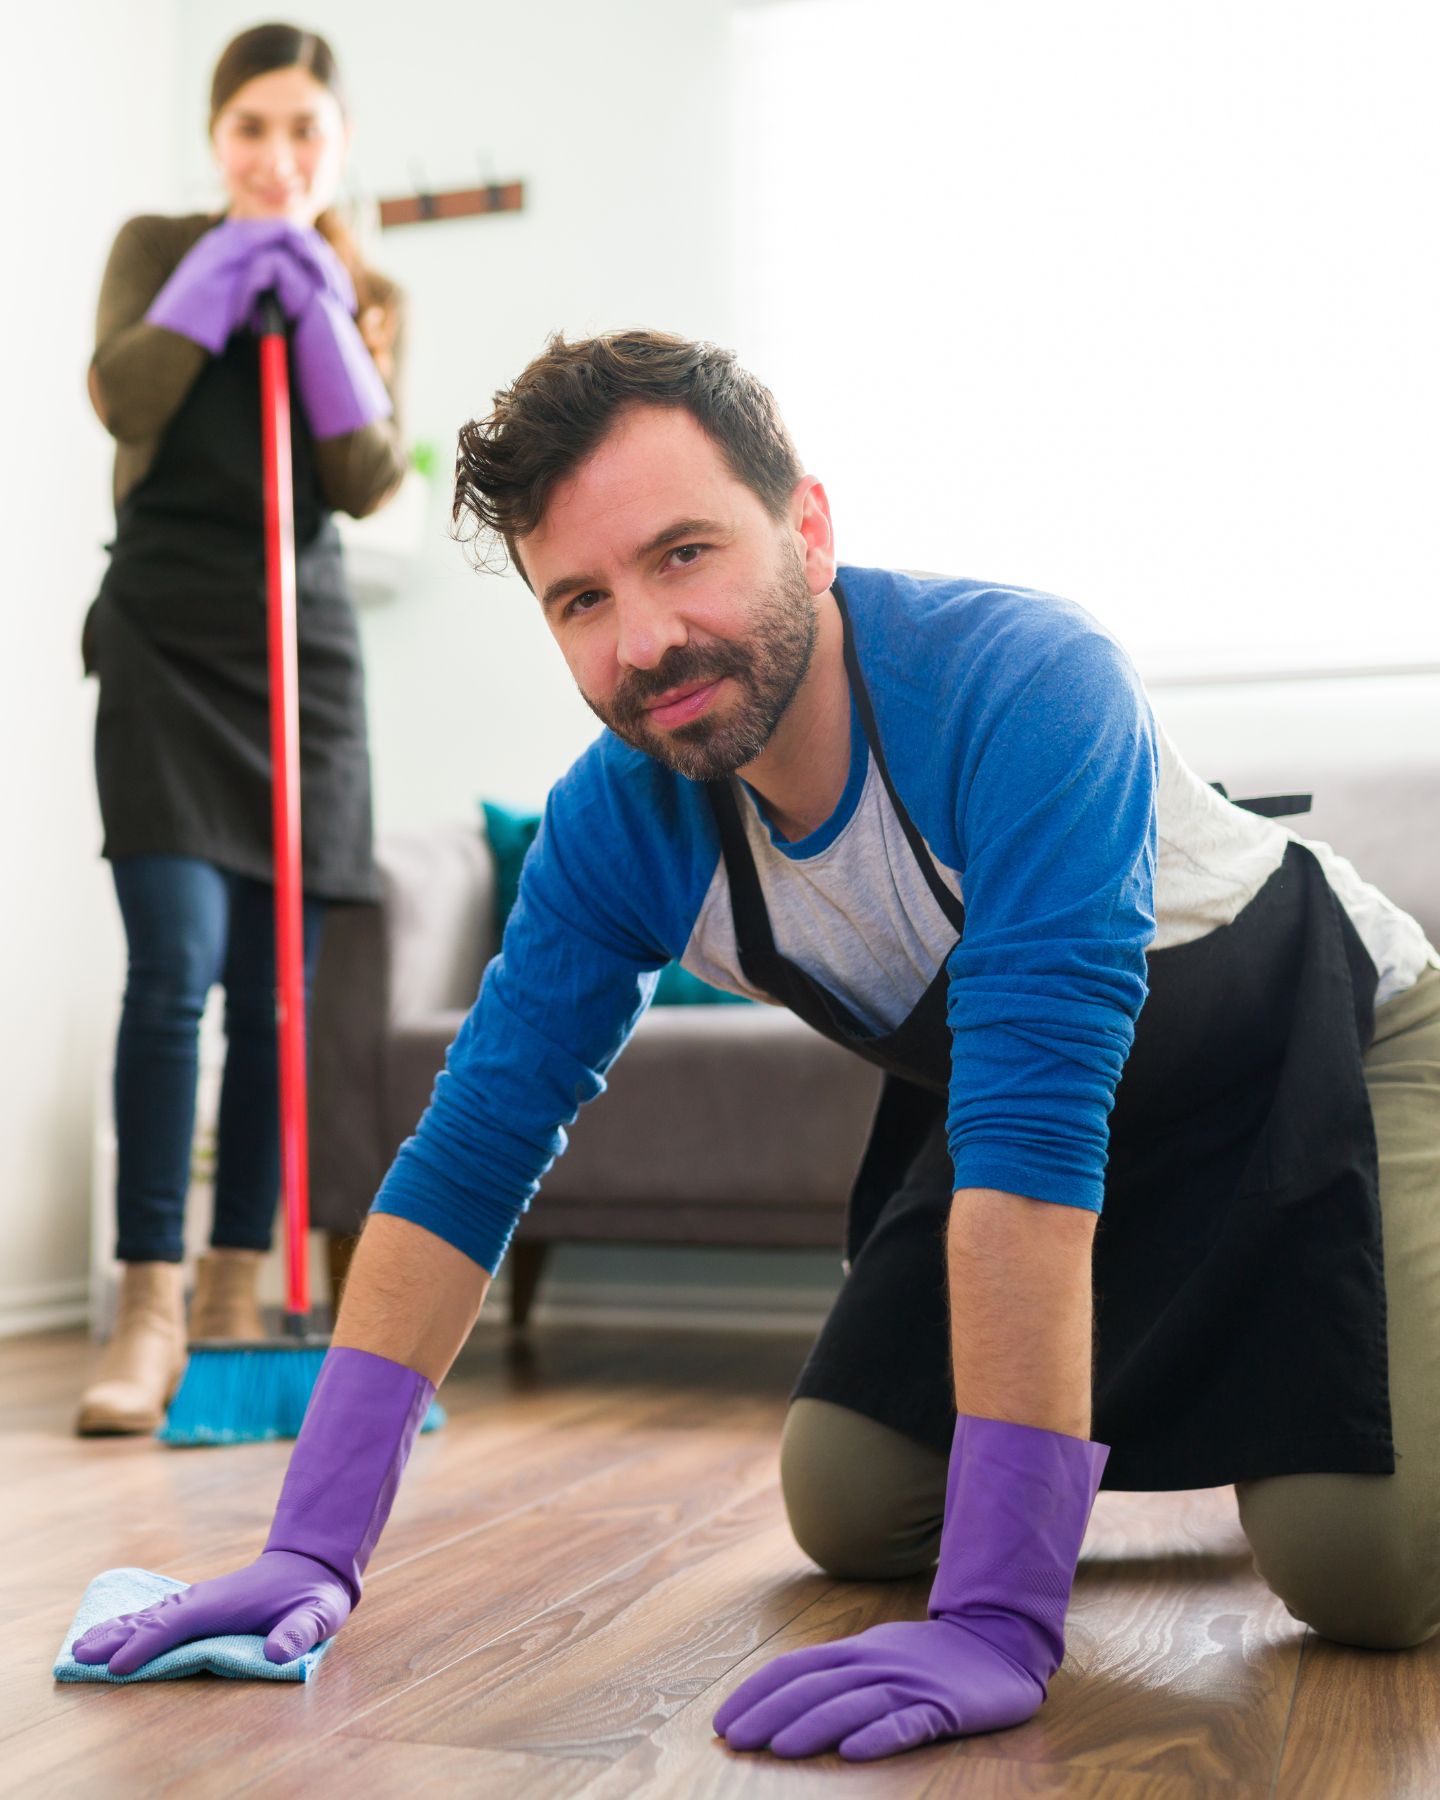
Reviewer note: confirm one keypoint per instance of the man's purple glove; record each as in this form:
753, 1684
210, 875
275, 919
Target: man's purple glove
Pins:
209, 296
294, 1600
344, 1470
1017, 1502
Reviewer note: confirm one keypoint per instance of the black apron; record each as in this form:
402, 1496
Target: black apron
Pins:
182, 739
1238, 1275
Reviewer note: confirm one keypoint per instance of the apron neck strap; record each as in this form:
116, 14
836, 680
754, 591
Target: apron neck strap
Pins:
953, 910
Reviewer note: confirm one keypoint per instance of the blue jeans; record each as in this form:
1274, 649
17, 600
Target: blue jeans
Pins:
188, 925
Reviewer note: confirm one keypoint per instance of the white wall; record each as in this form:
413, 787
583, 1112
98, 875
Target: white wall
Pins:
84, 142
1131, 301
617, 119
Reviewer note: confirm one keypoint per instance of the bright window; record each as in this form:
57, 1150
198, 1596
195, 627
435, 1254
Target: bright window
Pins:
1136, 302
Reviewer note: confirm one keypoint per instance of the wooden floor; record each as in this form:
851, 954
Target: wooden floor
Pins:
586, 1561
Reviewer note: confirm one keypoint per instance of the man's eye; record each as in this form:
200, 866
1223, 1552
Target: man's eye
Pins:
582, 603
686, 554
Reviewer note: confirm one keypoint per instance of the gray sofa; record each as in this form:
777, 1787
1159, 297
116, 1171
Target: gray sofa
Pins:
731, 1125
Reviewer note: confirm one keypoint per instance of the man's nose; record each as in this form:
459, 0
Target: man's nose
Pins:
645, 631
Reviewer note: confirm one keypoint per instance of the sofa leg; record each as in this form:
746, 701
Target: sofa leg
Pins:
339, 1252
527, 1264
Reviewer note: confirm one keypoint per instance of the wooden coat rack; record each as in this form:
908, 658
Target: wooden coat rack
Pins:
460, 203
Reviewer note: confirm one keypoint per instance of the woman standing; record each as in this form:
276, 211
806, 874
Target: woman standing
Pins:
178, 640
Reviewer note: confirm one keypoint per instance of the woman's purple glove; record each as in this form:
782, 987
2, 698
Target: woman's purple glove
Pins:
340, 387
344, 1470
209, 296
1017, 1502
298, 266
216, 290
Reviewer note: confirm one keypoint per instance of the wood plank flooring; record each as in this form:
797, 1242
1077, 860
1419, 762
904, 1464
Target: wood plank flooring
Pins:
586, 1560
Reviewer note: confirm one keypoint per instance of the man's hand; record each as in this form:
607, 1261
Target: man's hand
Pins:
293, 1599
1016, 1507
346, 1465
885, 1690
1017, 1502
408, 1306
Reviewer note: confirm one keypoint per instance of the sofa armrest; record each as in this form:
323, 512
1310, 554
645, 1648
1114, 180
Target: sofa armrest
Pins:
422, 949
349, 1016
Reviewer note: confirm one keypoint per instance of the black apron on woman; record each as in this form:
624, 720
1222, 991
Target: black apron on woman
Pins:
1238, 1274
178, 637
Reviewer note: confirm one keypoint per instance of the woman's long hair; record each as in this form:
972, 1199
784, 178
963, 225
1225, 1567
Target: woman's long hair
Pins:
260, 51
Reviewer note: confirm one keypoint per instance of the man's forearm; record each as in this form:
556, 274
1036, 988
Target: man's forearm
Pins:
1021, 1309
409, 1297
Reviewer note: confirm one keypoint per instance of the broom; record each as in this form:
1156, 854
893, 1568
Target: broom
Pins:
240, 1393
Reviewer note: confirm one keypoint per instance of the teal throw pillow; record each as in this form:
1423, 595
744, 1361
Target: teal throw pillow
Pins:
511, 834
678, 987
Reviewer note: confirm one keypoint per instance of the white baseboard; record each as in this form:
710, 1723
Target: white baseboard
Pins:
52, 1306
668, 1306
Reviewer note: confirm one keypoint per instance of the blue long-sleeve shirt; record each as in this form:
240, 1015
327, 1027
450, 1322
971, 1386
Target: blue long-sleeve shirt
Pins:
1021, 744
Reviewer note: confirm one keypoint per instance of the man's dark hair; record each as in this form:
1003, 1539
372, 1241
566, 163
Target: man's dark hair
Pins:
560, 408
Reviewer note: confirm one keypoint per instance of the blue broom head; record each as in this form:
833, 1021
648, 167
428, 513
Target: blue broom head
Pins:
250, 1393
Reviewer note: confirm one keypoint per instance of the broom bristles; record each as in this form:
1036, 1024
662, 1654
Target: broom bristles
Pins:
249, 1394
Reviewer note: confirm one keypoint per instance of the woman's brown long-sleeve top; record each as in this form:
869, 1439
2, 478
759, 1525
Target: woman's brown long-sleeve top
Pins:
177, 634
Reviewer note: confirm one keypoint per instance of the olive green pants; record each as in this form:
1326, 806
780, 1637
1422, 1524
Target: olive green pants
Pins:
1356, 1557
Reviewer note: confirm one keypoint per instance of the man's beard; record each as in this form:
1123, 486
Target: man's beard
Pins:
767, 669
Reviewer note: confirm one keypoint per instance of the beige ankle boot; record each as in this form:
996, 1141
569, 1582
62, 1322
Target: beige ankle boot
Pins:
141, 1366
224, 1305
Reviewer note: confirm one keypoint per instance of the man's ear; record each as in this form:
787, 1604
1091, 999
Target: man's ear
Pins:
810, 521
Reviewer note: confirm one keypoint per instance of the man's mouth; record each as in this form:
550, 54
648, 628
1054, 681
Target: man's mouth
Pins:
680, 705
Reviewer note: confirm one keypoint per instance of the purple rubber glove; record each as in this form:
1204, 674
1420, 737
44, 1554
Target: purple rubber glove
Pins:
340, 387
216, 289
297, 265
344, 1470
1017, 1502
208, 297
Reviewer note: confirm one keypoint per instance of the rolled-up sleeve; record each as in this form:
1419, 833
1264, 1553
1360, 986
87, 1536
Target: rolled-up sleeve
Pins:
1057, 812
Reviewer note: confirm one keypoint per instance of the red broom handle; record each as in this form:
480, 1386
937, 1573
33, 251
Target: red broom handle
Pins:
285, 807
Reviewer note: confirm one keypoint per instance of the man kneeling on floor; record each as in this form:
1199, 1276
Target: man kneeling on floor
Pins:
934, 818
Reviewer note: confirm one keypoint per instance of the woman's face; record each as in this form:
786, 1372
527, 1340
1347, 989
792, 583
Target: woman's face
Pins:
280, 144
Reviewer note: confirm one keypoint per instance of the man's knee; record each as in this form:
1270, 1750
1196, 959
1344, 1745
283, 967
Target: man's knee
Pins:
864, 1501
1347, 1557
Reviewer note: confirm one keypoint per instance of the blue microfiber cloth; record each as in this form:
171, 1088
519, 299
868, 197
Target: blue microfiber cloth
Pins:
127, 1590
